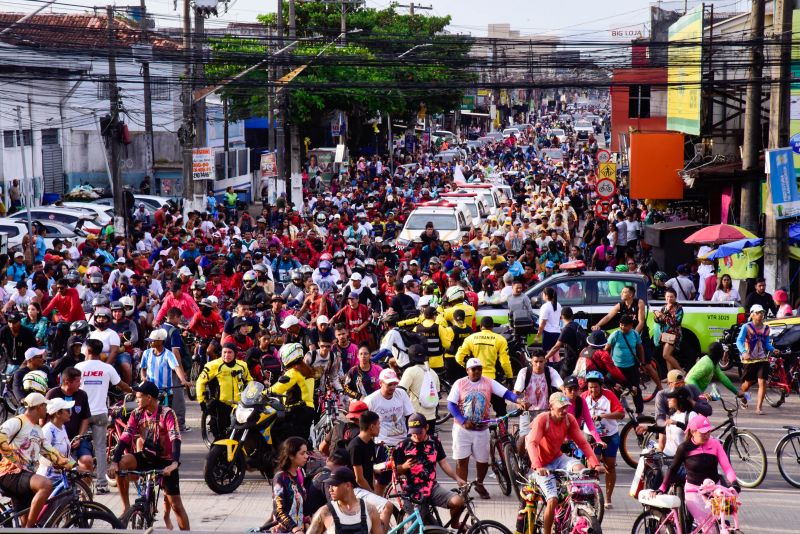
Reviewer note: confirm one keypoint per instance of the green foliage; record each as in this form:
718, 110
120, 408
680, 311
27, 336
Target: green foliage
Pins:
371, 55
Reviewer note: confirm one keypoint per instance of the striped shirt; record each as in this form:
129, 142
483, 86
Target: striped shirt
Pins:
159, 367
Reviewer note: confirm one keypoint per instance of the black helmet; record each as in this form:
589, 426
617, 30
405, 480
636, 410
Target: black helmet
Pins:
79, 327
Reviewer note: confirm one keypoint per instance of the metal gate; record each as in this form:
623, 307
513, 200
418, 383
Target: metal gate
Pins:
52, 169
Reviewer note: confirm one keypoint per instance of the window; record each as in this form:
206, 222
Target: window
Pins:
50, 136
159, 88
609, 291
8, 138
639, 102
11, 138
571, 293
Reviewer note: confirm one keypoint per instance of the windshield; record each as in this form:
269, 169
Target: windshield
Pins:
583, 124
488, 199
441, 221
556, 132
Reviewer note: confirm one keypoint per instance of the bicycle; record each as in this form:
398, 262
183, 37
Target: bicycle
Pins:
504, 461
655, 464
578, 508
661, 512
329, 403
142, 513
743, 447
118, 415
631, 441
788, 455
413, 524
66, 508
8, 404
442, 412
781, 381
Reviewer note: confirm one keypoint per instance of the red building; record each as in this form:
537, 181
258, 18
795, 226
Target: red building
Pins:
638, 101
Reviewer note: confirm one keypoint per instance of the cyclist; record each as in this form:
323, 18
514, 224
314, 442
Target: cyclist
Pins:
225, 377
627, 352
15, 340
543, 443
702, 456
155, 428
78, 422
21, 443
345, 513
206, 323
606, 411
707, 369
342, 432
754, 344
158, 363
417, 457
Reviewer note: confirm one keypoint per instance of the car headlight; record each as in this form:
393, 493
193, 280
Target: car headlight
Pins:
243, 414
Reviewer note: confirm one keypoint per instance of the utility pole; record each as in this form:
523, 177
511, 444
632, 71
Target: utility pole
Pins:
199, 78
186, 131
271, 96
411, 7
149, 152
294, 128
280, 121
775, 256
751, 149
25, 179
113, 132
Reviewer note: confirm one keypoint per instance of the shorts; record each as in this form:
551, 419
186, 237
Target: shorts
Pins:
84, 449
612, 446
439, 497
468, 443
123, 358
146, 462
755, 371
548, 484
18, 487
382, 455
371, 498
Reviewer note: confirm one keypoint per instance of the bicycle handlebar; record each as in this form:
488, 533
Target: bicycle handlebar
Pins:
515, 413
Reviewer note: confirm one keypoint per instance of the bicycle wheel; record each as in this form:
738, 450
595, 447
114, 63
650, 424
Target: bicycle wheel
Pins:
84, 515
488, 526
85, 490
194, 374
748, 458
500, 470
136, 518
630, 443
788, 454
442, 412
591, 523
513, 468
205, 429
649, 522
775, 395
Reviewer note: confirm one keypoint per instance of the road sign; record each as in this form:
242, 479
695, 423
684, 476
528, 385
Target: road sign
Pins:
602, 208
606, 187
794, 142
608, 170
603, 156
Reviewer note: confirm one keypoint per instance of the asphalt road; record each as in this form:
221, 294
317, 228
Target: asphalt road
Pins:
772, 508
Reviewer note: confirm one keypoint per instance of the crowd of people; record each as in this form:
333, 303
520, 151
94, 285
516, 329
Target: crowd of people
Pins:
318, 299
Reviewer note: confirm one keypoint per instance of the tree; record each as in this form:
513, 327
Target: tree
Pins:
370, 57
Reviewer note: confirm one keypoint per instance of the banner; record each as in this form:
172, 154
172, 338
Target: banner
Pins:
269, 166
742, 265
783, 183
203, 164
684, 72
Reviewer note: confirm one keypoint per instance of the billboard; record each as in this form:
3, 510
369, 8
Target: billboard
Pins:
203, 167
684, 72
656, 159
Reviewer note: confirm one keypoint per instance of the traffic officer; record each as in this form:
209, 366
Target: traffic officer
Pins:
489, 348
225, 377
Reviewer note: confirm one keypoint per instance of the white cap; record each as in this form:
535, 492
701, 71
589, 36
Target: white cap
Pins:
474, 362
388, 376
323, 319
753, 309
289, 322
120, 260
19, 255
213, 300
33, 352
185, 271
159, 334
355, 276
36, 399
54, 405
408, 278
414, 262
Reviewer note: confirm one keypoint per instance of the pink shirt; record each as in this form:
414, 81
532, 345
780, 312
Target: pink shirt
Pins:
185, 304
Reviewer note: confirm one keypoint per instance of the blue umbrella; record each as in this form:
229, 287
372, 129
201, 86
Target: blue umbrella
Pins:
794, 233
734, 247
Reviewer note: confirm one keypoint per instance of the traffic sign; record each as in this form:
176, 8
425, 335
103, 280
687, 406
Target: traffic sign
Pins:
608, 170
603, 156
606, 187
602, 208
794, 142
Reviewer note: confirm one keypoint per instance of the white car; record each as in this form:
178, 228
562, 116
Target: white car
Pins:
71, 218
559, 133
151, 202
473, 202
449, 219
508, 131
487, 192
102, 214
583, 129
16, 229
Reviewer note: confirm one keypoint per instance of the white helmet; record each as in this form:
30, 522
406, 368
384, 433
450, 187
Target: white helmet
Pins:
129, 305
35, 382
454, 294
290, 353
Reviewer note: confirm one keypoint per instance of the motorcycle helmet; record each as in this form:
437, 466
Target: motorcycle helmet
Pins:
660, 275
128, 304
100, 301
102, 312
306, 270
454, 294
338, 256
594, 376
326, 257
260, 268
321, 218
96, 279
199, 284
325, 267
79, 327
209, 249
390, 317
295, 274
622, 268
291, 353
370, 262
35, 382
73, 278
250, 278
116, 305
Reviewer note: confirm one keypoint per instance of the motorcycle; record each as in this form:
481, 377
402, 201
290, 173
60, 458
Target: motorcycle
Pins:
730, 355
251, 446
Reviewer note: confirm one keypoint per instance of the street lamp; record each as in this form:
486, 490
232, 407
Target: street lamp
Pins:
423, 45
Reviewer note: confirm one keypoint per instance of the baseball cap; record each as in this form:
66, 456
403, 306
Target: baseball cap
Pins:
408, 278
147, 388
417, 353
558, 400
355, 276
756, 308
388, 376
322, 319
675, 375
700, 423
159, 334
549, 264
289, 322
342, 475
54, 405
473, 362
13, 317
185, 271
571, 382
33, 352
417, 423
356, 409
19, 255
33, 399
120, 260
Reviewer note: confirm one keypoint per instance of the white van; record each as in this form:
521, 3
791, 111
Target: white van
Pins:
486, 192
451, 220
473, 202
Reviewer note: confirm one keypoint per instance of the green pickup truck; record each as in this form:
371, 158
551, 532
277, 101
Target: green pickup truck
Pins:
591, 294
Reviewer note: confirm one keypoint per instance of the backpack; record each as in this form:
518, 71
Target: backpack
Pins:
547, 378
428, 396
412, 338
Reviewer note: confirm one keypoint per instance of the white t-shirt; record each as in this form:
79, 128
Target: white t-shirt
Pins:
674, 434
26, 437
601, 406
108, 337
551, 318
22, 301
393, 413
536, 393
95, 379
59, 440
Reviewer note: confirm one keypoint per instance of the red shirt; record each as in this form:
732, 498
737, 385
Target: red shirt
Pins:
206, 327
354, 318
67, 306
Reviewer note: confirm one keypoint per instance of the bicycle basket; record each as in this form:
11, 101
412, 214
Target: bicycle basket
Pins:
727, 504
583, 487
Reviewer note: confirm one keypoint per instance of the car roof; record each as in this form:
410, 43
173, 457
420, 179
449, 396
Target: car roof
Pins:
632, 278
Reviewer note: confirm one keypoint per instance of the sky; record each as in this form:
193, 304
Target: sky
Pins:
591, 19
